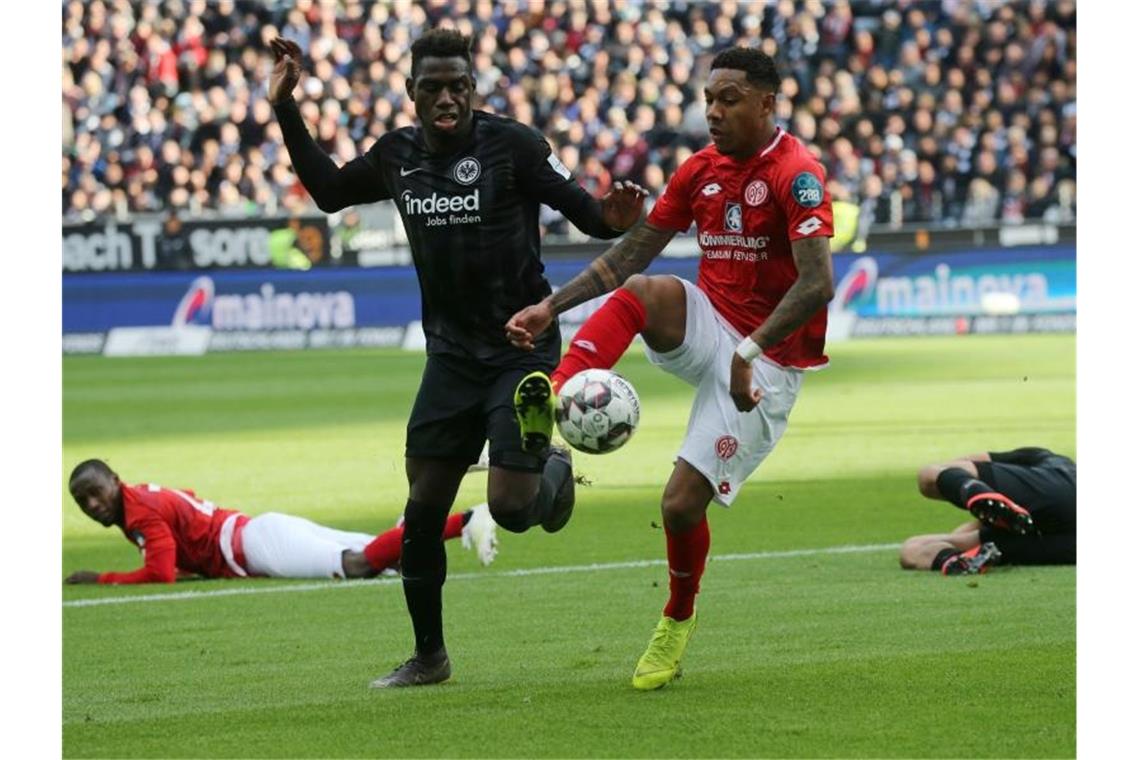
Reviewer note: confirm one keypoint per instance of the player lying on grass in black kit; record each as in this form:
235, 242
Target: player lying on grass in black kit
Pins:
1025, 508
468, 185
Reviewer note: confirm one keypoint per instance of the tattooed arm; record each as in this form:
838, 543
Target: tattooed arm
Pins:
628, 256
811, 291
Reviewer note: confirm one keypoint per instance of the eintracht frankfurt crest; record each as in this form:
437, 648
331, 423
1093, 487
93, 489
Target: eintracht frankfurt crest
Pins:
466, 171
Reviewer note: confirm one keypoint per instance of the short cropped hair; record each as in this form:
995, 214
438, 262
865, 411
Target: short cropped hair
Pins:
89, 467
758, 67
441, 43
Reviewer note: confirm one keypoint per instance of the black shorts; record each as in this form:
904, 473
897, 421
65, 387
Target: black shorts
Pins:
1048, 489
462, 403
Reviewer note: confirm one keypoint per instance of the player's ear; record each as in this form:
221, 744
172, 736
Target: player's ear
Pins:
410, 87
768, 98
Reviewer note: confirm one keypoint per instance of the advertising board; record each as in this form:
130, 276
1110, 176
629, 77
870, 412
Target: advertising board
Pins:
1029, 289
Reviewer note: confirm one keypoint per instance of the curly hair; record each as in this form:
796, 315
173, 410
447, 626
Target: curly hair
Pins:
441, 43
758, 67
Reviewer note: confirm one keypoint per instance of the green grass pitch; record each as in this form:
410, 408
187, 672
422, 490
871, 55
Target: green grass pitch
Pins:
801, 651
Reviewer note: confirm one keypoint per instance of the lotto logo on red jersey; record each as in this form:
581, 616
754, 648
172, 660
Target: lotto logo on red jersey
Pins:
809, 225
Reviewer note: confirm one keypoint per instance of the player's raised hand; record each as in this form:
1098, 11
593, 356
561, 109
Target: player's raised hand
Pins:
286, 69
528, 323
744, 396
622, 205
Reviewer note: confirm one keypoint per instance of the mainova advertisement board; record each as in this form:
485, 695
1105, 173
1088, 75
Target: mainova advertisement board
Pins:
1025, 289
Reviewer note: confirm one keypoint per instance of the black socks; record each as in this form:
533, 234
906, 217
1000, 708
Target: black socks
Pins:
940, 559
958, 486
423, 566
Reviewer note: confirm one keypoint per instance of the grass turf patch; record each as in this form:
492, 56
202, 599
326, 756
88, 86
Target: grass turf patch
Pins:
809, 655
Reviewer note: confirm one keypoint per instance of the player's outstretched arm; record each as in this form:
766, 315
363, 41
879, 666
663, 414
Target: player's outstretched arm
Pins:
160, 563
812, 290
331, 187
82, 576
541, 175
626, 257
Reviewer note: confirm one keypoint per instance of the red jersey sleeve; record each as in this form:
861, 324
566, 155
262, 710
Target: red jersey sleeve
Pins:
673, 210
156, 543
801, 192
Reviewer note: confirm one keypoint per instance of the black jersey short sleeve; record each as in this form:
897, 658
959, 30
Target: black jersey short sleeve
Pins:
543, 175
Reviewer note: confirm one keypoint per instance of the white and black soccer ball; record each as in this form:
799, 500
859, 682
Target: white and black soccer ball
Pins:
597, 411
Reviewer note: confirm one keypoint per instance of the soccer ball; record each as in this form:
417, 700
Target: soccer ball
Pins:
597, 411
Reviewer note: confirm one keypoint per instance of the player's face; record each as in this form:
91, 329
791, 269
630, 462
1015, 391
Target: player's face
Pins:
99, 497
442, 91
737, 112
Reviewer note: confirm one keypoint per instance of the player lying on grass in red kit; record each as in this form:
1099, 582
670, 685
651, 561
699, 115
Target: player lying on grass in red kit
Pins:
181, 535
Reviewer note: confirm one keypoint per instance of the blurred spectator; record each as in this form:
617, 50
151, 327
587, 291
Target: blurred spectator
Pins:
982, 204
173, 248
949, 112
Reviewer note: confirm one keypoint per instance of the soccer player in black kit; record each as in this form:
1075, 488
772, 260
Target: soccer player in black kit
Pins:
1025, 507
468, 185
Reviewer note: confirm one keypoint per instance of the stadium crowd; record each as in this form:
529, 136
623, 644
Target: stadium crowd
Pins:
952, 112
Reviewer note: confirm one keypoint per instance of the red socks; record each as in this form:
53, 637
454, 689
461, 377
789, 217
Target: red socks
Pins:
687, 553
454, 525
604, 337
384, 551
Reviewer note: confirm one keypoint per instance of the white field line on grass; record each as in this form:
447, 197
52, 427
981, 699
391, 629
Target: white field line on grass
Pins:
389, 580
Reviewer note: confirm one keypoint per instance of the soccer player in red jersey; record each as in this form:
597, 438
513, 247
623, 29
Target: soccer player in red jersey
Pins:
743, 335
180, 534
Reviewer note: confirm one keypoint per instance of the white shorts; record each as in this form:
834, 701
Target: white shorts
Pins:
723, 444
284, 546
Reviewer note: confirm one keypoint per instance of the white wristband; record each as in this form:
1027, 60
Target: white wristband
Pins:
748, 349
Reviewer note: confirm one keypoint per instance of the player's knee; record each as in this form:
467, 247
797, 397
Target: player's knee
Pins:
680, 514
908, 553
510, 517
654, 291
511, 511
423, 519
928, 481
638, 285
